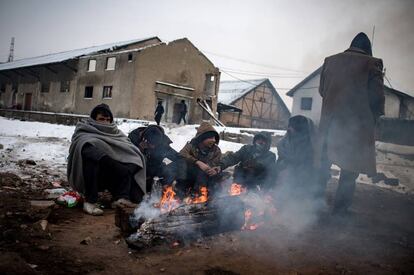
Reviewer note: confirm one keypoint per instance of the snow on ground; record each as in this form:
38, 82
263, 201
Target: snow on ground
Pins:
49, 144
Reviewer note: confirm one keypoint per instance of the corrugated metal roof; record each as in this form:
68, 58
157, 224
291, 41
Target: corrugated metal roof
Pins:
231, 91
62, 56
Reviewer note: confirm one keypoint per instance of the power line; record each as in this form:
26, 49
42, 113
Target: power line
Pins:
252, 62
259, 73
277, 88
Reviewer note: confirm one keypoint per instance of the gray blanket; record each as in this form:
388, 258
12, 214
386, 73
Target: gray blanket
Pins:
112, 141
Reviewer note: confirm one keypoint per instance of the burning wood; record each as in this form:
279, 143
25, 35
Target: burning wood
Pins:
236, 189
195, 216
168, 201
190, 221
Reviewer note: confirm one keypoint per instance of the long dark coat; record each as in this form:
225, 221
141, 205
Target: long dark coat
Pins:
351, 86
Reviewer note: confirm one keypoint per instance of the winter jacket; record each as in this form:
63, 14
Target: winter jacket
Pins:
254, 167
192, 153
295, 165
154, 158
351, 86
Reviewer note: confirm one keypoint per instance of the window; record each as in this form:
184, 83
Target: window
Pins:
2, 87
110, 63
88, 92
306, 103
44, 87
91, 65
107, 92
130, 57
64, 86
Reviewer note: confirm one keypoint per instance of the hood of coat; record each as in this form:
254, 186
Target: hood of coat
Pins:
156, 135
205, 130
265, 136
361, 42
301, 125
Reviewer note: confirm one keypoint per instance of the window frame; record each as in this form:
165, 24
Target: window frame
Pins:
306, 103
107, 63
44, 87
110, 92
85, 90
89, 65
65, 86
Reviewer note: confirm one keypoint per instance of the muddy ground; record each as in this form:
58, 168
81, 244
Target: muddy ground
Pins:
38, 237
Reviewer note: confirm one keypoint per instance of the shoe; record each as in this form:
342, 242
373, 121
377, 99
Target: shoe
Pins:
123, 203
92, 209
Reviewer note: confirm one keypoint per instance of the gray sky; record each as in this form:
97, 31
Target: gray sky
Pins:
282, 40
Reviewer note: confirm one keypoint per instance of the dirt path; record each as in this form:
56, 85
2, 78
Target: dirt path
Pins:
376, 239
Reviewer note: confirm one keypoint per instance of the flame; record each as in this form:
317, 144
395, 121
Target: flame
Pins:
200, 198
168, 201
236, 189
247, 217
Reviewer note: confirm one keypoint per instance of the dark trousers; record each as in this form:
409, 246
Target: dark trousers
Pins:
157, 119
109, 174
182, 117
194, 178
346, 189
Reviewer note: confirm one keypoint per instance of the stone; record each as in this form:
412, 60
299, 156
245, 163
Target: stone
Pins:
86, 241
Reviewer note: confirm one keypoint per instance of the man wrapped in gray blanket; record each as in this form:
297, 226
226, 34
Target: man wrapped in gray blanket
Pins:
102, 157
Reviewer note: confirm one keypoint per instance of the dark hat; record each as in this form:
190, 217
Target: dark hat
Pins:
207, 135
361, 41
299, 123
102, 109
154, 135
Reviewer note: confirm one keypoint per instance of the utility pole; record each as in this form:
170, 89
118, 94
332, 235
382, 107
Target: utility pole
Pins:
372, 39
11, 53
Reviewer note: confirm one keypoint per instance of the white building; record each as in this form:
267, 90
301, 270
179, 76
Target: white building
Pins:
308, 102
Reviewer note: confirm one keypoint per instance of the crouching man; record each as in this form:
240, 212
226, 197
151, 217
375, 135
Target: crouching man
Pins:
255, 163
202, 157
296, 172
162, 161
102, 157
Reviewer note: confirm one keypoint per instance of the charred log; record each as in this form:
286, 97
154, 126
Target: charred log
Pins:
189, 222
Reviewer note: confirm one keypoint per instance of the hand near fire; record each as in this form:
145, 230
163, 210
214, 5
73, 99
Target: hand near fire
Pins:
207, 169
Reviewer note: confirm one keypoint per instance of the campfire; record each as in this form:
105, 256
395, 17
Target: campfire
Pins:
194, 216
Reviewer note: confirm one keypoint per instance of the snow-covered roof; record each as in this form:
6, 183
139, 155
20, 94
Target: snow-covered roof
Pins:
230, 91
62, 56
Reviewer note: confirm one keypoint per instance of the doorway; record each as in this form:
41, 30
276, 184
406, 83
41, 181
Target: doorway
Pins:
28, 102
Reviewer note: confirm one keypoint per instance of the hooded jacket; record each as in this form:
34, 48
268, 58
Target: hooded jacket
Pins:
253, 165
295, 165
192, 153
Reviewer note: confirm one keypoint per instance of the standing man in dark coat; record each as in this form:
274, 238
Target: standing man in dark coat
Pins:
255, 163
159, 111
351, 86
183, 112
